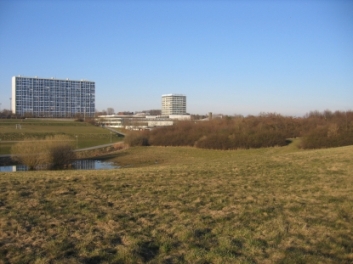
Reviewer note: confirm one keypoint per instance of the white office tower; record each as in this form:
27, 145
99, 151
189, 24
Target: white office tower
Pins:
39, 97
173, 104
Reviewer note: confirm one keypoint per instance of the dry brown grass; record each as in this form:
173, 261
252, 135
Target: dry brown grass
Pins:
184, 205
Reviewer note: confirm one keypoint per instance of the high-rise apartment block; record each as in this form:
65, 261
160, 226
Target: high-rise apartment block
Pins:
173, 104
39, 97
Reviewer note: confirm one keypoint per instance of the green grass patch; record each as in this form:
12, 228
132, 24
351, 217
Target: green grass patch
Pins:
85, 135
184, 205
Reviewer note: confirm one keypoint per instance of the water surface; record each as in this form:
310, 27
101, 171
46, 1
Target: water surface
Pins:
76, 165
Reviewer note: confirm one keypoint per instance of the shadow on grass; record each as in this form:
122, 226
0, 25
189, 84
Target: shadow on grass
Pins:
297, 255
147, 250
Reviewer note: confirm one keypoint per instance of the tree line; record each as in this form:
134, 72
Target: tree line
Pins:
316, 130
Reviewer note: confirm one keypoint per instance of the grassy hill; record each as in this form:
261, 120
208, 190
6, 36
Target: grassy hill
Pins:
184, 205
85, 135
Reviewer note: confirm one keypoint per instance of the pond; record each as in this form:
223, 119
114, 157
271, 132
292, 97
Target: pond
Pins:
76, 165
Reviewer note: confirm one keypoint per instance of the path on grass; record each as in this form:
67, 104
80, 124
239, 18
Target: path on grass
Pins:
75, 150
81, 149
115, 131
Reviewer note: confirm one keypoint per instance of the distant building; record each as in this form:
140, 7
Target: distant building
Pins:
40, 97
137, 121
173, 104
180, 117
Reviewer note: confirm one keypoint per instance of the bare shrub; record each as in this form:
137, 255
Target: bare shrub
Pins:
56, 152
119, 146
137, 139
31, 153
61, 151
228, 133
326, 129
62, 156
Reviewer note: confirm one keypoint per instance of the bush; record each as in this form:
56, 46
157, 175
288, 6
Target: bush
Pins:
322, 137
31, 153
318, 130
136, 139
53, 152
119, 146
228, 133
61, 156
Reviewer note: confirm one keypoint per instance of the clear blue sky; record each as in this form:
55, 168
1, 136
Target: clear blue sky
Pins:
230, 57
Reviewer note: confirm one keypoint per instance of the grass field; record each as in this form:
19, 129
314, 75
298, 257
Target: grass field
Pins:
184, 205
85, 135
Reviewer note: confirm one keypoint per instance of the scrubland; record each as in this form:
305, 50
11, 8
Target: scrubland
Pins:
185, 205
316, 130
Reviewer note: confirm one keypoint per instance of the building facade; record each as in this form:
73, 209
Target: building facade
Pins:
173, 104
134, 122
39, 97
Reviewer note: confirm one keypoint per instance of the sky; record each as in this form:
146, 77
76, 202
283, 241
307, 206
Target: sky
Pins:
227, 57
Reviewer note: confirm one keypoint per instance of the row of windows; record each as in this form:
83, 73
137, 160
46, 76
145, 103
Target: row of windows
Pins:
53, 98
55, 89
57, 106
20, 97
62, 83
24, 93
46, 81
50, 100
61, 87
50, 111
26, 109
174, 103
174, 107
31, 96
54, 114
53, 105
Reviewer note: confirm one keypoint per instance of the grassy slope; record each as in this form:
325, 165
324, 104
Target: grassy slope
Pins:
50, 126
87, 135
185, 205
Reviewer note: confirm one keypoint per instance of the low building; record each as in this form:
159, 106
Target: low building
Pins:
180, 117
134, 122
